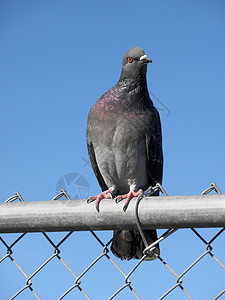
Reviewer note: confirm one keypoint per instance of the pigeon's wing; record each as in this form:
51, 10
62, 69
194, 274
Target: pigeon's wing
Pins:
94, 164
154, 151
92, 135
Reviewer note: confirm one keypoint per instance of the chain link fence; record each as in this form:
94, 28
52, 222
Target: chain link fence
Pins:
79, 265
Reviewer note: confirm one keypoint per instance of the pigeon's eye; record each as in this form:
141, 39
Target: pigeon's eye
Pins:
130, 60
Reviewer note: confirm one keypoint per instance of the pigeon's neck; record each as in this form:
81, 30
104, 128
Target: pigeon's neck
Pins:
136, 89
130, 84
128, 95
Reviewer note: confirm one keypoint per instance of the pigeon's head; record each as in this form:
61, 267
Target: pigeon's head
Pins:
134, 64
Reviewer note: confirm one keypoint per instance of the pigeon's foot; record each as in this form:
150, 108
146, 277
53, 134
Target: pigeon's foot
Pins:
104, 195
128, 196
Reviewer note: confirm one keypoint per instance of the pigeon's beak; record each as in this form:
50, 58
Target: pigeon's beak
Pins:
145, 59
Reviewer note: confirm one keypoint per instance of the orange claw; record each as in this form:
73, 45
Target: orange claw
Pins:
103, 195
128, 196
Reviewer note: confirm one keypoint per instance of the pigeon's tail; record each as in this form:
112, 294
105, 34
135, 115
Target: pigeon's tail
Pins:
128, 244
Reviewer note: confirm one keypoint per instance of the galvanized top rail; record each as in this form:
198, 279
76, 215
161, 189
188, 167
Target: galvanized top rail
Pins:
193, 211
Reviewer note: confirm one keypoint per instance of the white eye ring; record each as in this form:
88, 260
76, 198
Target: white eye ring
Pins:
143, 57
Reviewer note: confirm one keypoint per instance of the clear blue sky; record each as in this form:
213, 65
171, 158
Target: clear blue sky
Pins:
58, 57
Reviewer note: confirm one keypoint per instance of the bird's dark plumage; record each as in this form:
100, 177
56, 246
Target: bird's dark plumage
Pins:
125, 144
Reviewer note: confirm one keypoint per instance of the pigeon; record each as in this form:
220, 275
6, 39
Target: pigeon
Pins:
124, 144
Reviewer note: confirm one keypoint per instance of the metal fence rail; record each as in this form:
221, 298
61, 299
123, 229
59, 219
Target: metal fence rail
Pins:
173, 212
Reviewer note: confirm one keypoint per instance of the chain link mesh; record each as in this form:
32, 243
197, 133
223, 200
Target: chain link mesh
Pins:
80, 275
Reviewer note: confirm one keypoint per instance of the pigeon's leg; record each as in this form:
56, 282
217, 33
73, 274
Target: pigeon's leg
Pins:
103, 195
128, 196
